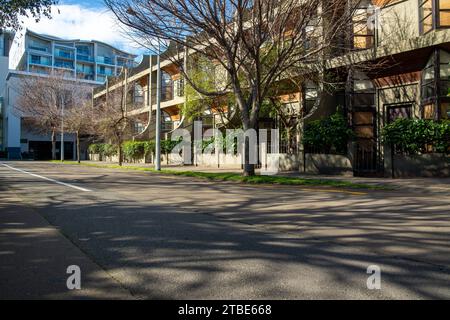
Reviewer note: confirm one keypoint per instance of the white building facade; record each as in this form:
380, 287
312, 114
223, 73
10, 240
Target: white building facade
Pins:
36, 55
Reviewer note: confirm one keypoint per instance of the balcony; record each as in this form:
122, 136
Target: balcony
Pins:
64, 54
85, 76
85, 58
105, 72
105, 60
63, 64
38, 48
41, 61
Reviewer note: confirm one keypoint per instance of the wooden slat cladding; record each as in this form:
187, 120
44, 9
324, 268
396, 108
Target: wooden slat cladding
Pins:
397, 80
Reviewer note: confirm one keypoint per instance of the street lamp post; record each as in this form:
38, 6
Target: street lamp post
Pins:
62, 130
158, 112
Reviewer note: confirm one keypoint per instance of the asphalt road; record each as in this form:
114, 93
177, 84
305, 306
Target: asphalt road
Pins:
138, 235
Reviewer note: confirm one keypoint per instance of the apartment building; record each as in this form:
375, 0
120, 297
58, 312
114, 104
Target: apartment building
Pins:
36, 55
404, 46
5, 43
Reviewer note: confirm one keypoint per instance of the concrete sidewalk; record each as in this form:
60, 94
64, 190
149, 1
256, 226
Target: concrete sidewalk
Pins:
34, 257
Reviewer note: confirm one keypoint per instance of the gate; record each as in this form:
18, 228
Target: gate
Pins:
365, 149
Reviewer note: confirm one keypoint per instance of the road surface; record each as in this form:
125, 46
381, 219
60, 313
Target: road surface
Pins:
139, 235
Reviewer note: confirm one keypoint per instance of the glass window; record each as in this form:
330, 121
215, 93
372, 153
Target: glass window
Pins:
426, 15
445, 110
362, 35
428, 12
428, 111
444, 13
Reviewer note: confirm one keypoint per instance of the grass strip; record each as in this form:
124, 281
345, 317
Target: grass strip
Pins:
235, 177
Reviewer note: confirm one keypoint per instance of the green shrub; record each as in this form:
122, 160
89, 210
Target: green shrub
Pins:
108, 150
168, 145
94, 148
133, 150
412, 136
149, 148
329, 135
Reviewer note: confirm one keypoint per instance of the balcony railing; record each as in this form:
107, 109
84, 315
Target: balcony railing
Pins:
36, 48
40, 62
63, 54
105, 60
82, 57
60, 64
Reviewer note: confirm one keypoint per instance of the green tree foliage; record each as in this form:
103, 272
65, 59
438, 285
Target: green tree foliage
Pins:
103, 149
329, 135
168, 145
12, 10
202, 74
412, 136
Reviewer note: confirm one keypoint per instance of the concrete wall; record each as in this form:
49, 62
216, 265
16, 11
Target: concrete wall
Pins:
426, 165
326, 164
398, 22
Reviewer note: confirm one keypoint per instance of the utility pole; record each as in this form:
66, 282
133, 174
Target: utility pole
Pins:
158, 111
62, 129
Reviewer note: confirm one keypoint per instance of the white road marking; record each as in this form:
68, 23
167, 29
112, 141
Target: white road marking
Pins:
48, 179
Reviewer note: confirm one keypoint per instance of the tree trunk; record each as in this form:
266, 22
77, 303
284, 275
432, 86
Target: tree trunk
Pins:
249, 168
120, 154
53, 145
78, 147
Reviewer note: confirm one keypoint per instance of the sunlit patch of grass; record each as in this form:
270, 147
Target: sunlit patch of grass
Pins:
235, 177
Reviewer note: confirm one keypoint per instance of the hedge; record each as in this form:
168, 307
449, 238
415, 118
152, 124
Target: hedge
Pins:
328, 135
415, 136
103, 149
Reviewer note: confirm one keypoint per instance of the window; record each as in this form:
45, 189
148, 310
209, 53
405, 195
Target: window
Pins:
445, 110
434, 14
444, 13
138, 93
436, 86
166, 86
362, 35
428, 79
35, 59
426, 15
63, 64
310, 95
363, 94
179, 87
398, 112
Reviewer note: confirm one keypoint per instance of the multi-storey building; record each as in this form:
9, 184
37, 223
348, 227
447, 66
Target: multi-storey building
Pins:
37, 55
87, 60
398, 68
5, 43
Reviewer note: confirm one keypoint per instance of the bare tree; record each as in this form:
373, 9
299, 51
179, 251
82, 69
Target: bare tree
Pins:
80, 119
254, 41
113, 121
45, 100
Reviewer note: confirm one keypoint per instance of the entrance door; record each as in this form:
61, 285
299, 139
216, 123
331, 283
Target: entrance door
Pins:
365, 153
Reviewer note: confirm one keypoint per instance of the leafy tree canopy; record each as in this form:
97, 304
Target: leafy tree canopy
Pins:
12, 10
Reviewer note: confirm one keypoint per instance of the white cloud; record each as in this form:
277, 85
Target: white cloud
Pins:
77, 22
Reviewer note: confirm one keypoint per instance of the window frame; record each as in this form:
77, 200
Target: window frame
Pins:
435, 16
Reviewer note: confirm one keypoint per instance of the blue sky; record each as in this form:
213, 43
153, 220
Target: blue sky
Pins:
84, 19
